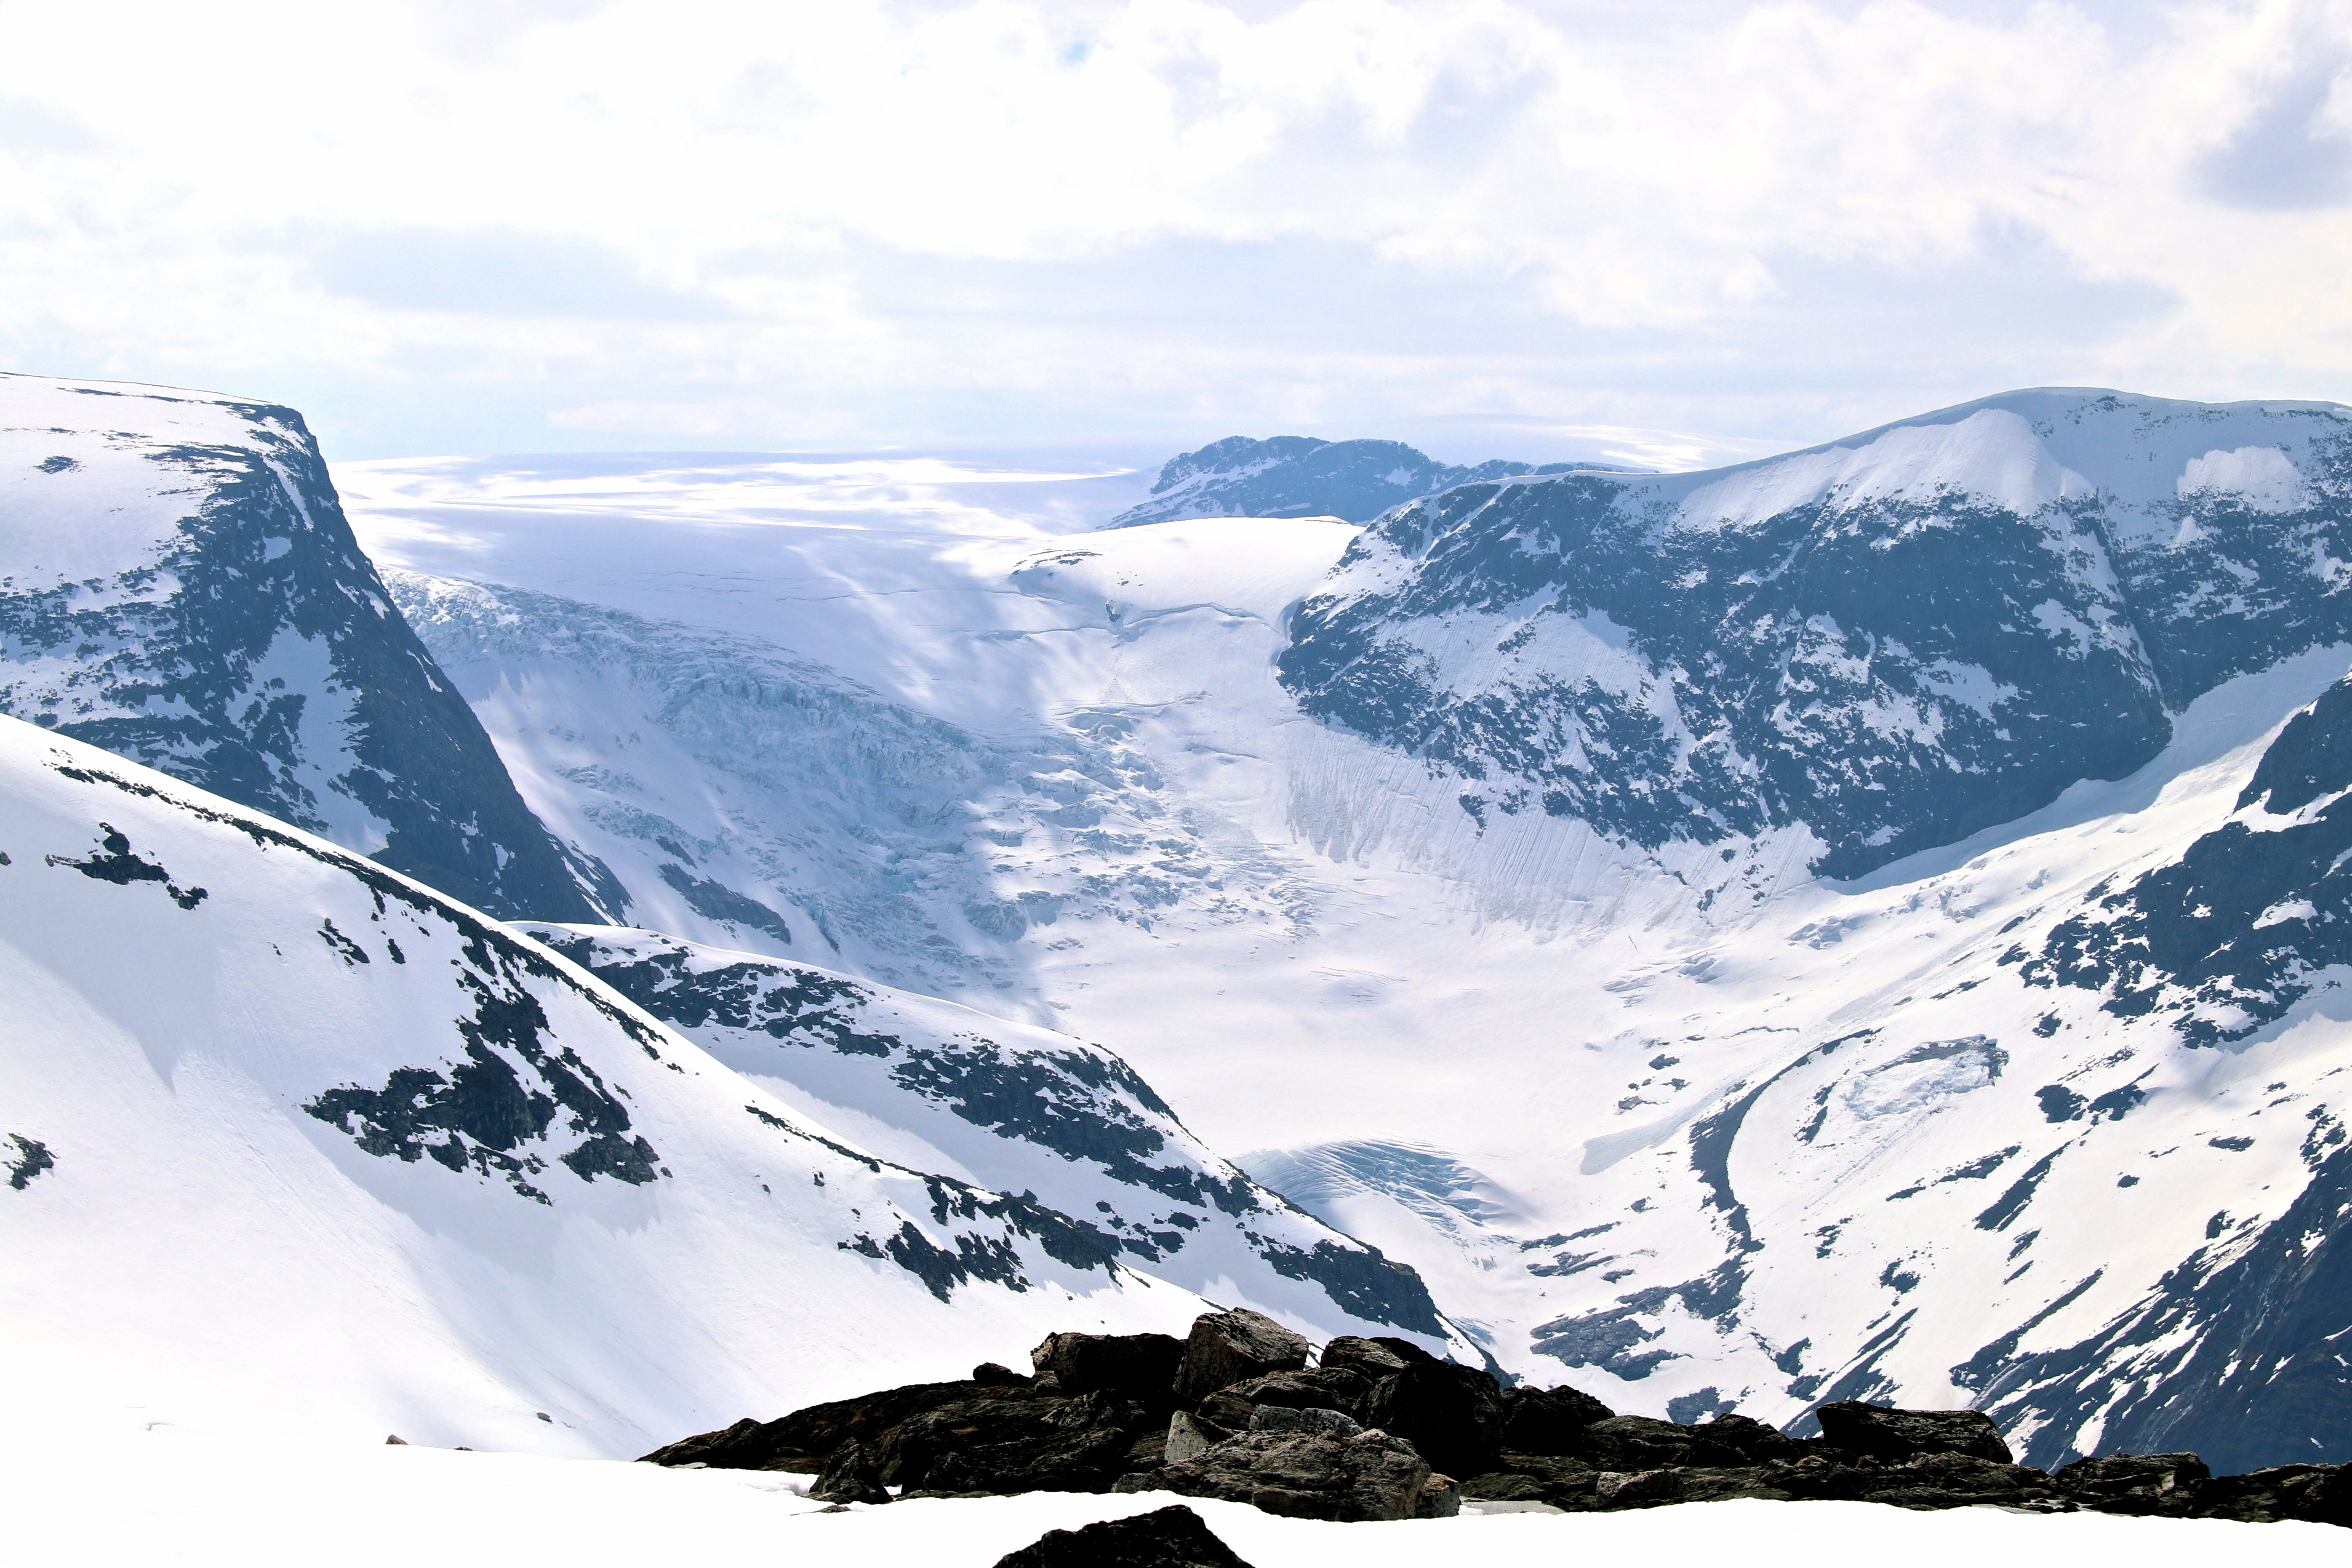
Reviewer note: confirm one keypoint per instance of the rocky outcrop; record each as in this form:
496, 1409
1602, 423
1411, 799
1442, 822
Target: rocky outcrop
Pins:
1380, 1429
1226, 1348
1171, 1537
1301, 1474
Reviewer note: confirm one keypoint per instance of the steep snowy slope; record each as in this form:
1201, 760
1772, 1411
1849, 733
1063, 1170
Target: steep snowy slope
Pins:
178, 585
1649, 1103
1299, 476
1018, 1110
296, 1142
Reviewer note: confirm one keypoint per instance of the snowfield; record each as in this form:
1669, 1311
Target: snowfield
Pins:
169, 1496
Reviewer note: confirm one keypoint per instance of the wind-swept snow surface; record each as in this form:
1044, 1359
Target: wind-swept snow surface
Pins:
158, 1496
295, 1140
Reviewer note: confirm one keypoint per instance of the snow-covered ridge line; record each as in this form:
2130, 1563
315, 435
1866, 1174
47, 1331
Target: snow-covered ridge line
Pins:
270, 1078
1016, 1109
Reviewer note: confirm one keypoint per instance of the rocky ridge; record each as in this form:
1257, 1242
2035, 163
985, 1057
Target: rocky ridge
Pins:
1378, 1430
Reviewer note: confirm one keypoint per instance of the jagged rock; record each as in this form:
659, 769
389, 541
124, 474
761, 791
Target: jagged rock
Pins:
1226, 1348
1751, 1439
1226, 1408
1188, 1439
1885, 1432
803, 1440
849, 1477
1284, 1418
997, 1375
1373, 1358
1301, 1474
1634, 1443
1959, 1481
1171, 1537
2135, 1483
1546, 1420
1637, 1489
1140, 1368
1536, 1478
1440, 1497
1452, 1414
1312, 1388
1041, 1442
2318, 1494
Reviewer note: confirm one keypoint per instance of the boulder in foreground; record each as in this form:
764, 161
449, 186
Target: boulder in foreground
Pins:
1171, 1537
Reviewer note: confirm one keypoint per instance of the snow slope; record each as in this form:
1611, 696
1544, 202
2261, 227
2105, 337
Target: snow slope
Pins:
171, 1496
1017, 1110
296, 1142
179, 585
1300, 476
1482, 885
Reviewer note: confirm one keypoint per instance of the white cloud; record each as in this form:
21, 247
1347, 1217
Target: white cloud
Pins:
940, 221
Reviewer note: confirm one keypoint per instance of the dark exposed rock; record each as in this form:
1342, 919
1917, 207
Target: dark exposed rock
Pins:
1548, 1420
2122, 1483
1374, 1359
1536, 1478
32, 1158
1885, 1432
1630, 1443
1301, 1474
1309, 1388
1287, 1419
1021, 1444
849, 1476
1226, 1348
1137, 1367
1171, 1537
2317, 1494
1283, 1442
1440, 1497
803, 1440
1452, 1414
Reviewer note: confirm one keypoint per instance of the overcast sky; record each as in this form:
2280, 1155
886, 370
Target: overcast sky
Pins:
1672, 231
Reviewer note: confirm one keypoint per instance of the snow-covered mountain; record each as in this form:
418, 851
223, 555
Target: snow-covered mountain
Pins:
1300, 476
178, 585
1892, 641
1019, 1109
295, 1140
1484, 884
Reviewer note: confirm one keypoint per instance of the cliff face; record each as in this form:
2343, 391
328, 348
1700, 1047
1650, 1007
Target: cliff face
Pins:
178, 585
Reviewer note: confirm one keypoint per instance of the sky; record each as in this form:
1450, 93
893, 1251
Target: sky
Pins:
1675, 232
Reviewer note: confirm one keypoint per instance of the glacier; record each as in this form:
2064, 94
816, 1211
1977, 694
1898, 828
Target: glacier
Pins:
1590, 887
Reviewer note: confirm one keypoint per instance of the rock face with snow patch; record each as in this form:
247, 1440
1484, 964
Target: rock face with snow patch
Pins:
179, 586
260, 1084
1017, 1109
1892, 641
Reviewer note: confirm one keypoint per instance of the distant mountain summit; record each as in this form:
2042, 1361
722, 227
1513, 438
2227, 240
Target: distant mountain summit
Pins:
1299, 476
178, 585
